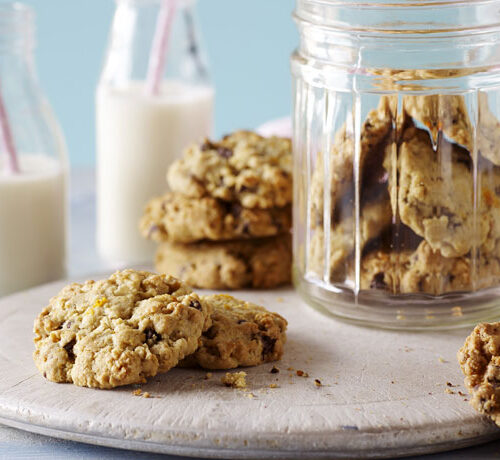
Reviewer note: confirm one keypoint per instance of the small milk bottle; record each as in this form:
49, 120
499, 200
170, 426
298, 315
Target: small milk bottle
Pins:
33, 164
154, 98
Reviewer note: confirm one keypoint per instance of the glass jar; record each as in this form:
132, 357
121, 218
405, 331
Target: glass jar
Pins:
141, 131
397, 160
33, 164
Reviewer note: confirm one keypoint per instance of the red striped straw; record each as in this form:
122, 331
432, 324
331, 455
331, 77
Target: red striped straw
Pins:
158, 53
7, 141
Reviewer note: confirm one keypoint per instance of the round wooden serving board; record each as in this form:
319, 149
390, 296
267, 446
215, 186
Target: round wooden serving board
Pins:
383, 393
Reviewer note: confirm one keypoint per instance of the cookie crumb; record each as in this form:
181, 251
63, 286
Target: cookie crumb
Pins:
302, 373
449, 384
442, 360
146, 395
137, 392
461, 393
273, 385
450, 392
274, 370
208, 376
249, 395
457, 311
290, 369
317, 382
235, 380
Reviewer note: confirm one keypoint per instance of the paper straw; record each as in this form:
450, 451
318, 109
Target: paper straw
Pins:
158, 53
7, 142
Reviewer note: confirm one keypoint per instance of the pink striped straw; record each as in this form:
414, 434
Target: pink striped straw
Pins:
7, 141
158, 53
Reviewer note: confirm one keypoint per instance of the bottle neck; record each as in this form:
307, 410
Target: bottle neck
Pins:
17, 30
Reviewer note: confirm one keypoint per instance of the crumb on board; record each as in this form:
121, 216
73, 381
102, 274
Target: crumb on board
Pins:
442, 360
449, 384
249, 395
235, 380
146, 395
301, 373
137, 392
273, 385
290, 369
274, 370
317, 382
450, 392
208, 376
457, 311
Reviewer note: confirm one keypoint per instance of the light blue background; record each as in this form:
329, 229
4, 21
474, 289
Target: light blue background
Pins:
249, 43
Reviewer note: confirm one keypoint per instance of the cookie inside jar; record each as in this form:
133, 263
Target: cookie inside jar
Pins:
409, 199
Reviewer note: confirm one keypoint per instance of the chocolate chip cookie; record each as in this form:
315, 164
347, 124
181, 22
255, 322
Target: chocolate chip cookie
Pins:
177, 218
258, 263
243, 167
242, 334
436, 194
427, 271
479, 359
118, 331
375, 217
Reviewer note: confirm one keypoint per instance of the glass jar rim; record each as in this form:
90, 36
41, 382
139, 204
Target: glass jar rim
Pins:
403, 17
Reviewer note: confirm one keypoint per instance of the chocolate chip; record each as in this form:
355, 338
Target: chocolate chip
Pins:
69, 349
274, 370
195, 304
241, 321
378, 281
225, 152
210, 333
236, 210
267, 344
152, 336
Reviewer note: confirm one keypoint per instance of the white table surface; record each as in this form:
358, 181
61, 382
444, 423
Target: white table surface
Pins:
16, 444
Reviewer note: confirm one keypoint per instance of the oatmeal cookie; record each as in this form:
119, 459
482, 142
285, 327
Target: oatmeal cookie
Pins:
118, 331
479, 359
242, 334
258, 263
427, 271
436, 195
243, 167
177, 218
375, 217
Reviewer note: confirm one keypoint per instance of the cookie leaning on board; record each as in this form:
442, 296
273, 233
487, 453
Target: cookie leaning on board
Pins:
226, 224
479, 359
135, 324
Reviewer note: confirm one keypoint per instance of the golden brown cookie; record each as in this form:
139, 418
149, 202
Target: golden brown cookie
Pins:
180, 219
243, 167
258, 263
118, 331
242, 334
479, 359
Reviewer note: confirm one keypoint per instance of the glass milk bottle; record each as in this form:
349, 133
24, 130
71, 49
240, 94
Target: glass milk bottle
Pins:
33, 166
154, 98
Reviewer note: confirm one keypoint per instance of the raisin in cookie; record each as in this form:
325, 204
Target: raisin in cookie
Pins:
242, 334
258, 263
118, 331
243, 167
479, 359
427, 271
177, 218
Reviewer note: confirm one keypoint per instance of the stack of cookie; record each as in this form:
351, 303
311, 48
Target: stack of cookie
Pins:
226, 222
